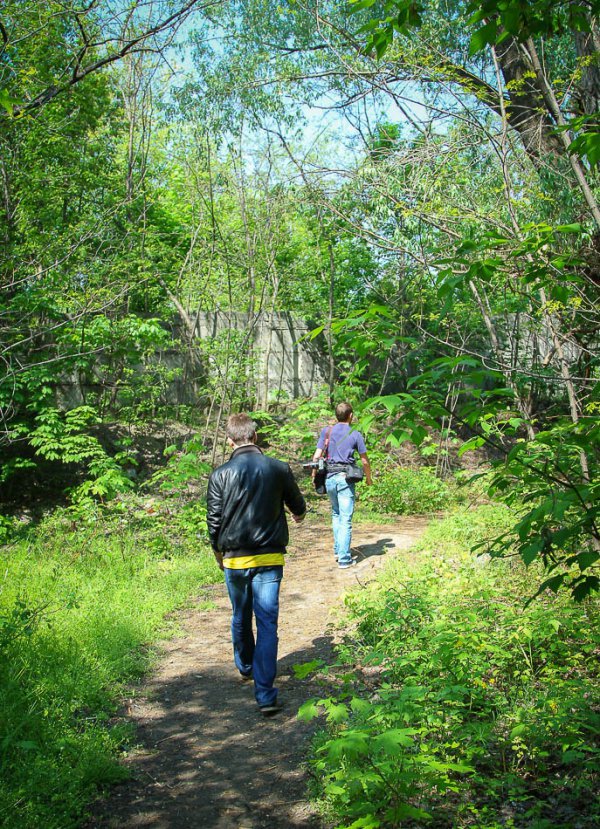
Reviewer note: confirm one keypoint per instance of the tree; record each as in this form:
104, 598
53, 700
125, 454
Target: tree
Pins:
93, 35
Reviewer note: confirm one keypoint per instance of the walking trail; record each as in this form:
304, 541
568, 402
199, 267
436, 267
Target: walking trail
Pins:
206, 758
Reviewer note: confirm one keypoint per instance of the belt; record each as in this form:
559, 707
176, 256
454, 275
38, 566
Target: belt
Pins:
334, 468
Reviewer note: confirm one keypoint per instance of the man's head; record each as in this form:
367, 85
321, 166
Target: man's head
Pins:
343, 412
241, 430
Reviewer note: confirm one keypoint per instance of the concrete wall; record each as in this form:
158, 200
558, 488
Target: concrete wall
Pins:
282, 363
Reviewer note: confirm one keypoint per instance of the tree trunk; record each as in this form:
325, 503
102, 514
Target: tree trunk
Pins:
331, 377
524, 404
526, 108
586, 97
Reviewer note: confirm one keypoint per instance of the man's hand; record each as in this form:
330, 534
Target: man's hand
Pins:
219, 559
367, 468
298, 518
316, 456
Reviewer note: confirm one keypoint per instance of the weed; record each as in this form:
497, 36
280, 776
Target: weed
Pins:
462, 703
81, 599
398, 491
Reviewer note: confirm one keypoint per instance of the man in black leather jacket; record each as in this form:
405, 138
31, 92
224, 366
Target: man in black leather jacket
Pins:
248, 532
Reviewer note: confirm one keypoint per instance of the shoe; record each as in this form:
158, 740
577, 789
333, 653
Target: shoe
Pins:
346, 565
271, 709
246, 677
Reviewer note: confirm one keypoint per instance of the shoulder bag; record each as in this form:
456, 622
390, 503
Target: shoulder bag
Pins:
355, 473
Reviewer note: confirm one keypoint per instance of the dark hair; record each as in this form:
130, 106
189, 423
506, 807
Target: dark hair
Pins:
241, 428
343, 412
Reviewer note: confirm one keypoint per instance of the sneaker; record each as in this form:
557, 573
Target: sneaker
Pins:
346, 564
271, 709
246, 677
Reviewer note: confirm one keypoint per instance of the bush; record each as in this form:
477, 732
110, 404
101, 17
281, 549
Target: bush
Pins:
406, 492
460, 703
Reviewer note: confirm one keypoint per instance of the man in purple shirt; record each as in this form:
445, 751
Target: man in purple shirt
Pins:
338, 443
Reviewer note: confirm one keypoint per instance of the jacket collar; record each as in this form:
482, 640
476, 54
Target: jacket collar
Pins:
250, 447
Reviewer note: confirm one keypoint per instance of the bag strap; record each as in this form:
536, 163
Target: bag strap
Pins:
339, 442
326, 444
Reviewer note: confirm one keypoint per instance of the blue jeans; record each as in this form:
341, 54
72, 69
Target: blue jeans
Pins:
256, 590
341, 495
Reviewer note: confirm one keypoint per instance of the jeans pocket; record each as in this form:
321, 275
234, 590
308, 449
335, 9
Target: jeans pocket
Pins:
268, 575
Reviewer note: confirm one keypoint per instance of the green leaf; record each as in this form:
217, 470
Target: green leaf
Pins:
365, 822
7, 102
405, 810
553, 584
301, 671
308, 711
588, 145
586, 559
531, 551
394, 740
588, 585
359, 5
382, 41
472, 443
575, 227
350, 744
481, 38
27, 745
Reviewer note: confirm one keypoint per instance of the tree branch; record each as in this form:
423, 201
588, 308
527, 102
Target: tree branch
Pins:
79, 72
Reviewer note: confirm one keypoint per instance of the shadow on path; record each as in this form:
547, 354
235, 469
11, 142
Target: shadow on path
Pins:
377, 548
210, 759
207, 758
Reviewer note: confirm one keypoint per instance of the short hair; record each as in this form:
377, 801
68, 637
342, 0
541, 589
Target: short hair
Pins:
240, 428
343, 412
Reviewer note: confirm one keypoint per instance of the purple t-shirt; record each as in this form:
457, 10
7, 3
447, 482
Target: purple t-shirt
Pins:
341, 444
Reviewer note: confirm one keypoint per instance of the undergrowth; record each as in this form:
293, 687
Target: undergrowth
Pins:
403, 491
81, 599
458, 704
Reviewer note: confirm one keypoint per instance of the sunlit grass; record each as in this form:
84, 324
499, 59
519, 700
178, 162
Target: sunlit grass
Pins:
457, 698
79, 610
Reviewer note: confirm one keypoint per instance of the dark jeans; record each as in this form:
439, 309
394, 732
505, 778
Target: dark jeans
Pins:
256, 590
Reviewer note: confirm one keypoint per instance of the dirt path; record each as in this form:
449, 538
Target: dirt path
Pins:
208, 759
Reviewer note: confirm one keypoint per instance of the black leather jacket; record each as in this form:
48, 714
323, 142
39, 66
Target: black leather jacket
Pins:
245, 500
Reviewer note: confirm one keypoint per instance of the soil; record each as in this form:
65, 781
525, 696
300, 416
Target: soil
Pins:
206, 757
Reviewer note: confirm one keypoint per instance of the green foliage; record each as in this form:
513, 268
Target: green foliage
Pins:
514, 18
183, 467
64, 437
455, 701
297, 433
405, 492
534, 418
554, 499
393, 16
559, 525
6, 529
81, 602
499, 20
586, 143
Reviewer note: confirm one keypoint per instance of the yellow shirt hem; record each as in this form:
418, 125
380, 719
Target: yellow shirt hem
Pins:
244, 562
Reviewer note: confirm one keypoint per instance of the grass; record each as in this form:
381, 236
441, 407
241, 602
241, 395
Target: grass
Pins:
402, 491
80, 605
457, 704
